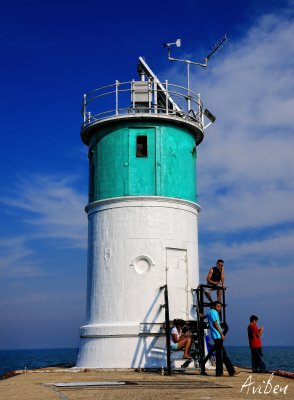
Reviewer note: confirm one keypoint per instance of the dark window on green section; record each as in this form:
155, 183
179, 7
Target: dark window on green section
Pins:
141, 147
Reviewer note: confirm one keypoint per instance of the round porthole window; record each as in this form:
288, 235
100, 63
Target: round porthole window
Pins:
142, 264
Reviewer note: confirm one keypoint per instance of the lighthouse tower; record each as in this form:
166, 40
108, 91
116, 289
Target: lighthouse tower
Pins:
142, 217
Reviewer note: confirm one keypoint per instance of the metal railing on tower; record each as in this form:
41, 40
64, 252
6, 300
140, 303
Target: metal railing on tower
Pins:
148, 97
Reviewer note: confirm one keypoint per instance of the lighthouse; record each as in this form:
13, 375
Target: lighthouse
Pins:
142, 137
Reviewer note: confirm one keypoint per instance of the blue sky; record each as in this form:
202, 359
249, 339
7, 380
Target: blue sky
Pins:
52, 53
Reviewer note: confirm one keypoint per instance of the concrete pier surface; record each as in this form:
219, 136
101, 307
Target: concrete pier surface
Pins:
76, 384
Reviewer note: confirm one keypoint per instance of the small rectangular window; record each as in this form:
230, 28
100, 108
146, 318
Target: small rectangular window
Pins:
141, 146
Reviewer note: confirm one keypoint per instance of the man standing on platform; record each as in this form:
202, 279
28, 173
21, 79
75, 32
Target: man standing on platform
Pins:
216, 278
218, 338
254, 334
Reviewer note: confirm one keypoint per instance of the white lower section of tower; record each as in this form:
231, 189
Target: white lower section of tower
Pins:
136, 245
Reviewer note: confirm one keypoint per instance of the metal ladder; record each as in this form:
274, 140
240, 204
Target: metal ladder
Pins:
201, 307
196, 343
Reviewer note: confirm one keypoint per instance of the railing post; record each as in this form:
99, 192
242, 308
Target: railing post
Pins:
224, 305
167, 330
84, 107
201, 111
188, 98
166, 97
132, 94
116, 97
201, 322
149, 95
155, 97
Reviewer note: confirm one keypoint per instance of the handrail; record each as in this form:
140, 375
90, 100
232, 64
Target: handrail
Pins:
104, 87
100, 95
167, 329
207, 285
115, 99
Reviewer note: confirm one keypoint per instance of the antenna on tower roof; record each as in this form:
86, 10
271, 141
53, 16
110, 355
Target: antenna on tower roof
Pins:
188, 62
206, 59
215, 49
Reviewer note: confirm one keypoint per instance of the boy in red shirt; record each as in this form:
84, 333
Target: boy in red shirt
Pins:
254, 334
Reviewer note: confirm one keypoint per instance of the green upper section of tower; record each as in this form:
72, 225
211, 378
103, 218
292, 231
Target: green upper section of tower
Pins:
142, 137
146, 157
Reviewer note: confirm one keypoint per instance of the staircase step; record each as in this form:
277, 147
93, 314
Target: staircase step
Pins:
183, 363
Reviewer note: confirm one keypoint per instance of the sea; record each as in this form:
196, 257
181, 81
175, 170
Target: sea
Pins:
275, 357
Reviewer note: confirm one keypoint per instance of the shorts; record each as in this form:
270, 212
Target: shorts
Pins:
209, 290
174, 346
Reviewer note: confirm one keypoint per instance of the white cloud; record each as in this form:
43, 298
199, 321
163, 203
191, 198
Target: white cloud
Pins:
49, 207
17, 259
252, 253
245, 170
257, 283
245, 163
261, 267
54, 206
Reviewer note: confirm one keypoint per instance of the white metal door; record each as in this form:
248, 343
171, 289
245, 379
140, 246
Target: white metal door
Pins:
177, 282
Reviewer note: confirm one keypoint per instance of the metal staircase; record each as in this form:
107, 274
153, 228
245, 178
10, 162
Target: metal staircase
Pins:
197, 327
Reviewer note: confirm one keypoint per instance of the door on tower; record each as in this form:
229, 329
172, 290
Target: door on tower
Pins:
142, 155
177, 283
